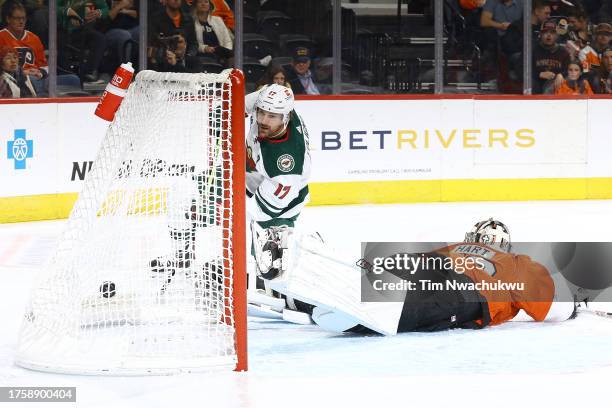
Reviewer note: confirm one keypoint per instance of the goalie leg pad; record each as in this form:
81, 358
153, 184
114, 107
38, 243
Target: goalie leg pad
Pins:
270, 247
334, 321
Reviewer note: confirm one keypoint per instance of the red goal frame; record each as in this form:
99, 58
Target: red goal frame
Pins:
237, 244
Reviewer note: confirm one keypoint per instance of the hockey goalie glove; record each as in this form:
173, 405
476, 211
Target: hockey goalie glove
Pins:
271, 249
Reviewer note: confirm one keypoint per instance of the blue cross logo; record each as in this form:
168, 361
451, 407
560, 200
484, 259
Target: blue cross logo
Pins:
20, 149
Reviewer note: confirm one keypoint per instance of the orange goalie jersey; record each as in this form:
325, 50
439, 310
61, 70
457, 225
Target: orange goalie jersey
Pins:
533, 288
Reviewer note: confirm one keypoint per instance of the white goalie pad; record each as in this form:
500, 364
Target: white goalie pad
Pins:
271, 247
320, 276
260, 298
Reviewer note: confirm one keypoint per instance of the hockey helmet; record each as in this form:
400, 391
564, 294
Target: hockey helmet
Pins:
276, 98
490, 232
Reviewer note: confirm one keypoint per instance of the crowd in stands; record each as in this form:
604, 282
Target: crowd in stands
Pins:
286, 42
571, 42
197, 36
95, 36
185, 36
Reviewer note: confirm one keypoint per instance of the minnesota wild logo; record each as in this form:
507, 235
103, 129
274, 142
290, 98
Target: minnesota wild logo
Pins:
285, 163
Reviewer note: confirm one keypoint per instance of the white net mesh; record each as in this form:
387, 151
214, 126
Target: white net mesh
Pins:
141, 279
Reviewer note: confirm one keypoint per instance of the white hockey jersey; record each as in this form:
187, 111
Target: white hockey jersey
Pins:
277, 170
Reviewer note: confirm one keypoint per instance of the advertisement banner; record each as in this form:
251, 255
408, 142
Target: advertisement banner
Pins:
29, 148
366, 149
81, 134
447, 139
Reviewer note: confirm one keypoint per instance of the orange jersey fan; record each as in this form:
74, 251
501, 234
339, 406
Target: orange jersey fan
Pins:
30, 49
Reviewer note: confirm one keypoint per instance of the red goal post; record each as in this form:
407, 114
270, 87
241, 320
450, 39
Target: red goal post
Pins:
239, 228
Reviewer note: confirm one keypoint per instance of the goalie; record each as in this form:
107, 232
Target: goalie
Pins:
335, 288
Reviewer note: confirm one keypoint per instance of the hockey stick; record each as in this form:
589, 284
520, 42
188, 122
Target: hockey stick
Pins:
599, 313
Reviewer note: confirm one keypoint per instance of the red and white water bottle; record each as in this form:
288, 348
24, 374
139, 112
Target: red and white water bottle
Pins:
115, 92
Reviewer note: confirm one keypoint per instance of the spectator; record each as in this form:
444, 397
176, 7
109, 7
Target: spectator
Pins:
165, 25
13, 83
32, 53
495, 19
549, 59
299, 74
603, 78
223, 10
574, 84
219, 8
539, 14
579, 41
602, 36
586, 43
499, 14
8, 63
81, 21
275, 74
30, 49
580, 28
123, 28
512, 42
213, 37
175, 58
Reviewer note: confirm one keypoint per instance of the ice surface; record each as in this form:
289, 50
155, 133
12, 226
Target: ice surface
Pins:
515, 364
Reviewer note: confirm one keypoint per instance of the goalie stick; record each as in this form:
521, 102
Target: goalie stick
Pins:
600, 313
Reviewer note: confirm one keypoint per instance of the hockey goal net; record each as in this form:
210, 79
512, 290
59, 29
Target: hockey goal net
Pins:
149, 276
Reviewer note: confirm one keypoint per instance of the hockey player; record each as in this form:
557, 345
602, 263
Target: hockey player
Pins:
278, 169
489, 243
336, 291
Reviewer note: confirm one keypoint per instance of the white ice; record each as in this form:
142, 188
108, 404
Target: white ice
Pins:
516, 364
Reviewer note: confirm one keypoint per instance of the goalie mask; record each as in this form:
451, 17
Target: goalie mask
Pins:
490, 232
276, 99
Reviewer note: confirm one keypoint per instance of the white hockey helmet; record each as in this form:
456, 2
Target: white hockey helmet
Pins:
276, 98
490, 232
